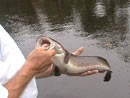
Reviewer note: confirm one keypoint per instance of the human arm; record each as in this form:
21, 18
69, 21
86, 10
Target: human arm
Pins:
18, 83
38, 59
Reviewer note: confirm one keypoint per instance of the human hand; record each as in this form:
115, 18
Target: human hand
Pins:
78, 52
40, 59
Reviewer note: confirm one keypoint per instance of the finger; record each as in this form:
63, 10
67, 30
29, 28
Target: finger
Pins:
51, 52
90, 72
44, 47
78, 51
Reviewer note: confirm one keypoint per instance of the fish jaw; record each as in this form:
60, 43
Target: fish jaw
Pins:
41, 40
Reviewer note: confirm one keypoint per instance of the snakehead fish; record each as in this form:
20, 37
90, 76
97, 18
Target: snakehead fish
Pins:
71, 64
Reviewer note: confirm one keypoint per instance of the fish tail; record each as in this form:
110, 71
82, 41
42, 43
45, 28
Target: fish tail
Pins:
107, 76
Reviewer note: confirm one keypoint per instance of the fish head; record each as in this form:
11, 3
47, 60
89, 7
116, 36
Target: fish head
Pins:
52, 44
41, 40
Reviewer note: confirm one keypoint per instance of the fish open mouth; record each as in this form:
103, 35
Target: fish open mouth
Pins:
45, 41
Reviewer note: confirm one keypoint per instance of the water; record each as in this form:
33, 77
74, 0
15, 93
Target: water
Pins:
102, 27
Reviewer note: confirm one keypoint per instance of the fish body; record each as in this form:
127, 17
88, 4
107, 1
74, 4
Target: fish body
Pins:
71, 64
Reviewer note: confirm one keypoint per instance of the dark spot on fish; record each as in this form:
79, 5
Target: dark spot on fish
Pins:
107, 76
56, 71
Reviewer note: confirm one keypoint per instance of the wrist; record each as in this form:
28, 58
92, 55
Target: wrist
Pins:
28, 69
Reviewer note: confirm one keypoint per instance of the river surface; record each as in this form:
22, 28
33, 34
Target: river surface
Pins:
102, 27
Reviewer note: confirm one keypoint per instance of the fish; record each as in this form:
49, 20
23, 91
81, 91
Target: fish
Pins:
69, 63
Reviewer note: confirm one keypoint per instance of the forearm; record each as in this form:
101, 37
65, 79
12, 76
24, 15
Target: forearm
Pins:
18, 83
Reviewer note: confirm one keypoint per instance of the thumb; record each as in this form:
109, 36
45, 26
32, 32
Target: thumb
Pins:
78, 51
45, 47
52, 52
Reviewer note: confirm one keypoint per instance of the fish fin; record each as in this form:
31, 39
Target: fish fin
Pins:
56, 71
107, 76
67, 57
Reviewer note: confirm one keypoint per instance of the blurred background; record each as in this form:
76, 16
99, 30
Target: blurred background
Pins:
102, 27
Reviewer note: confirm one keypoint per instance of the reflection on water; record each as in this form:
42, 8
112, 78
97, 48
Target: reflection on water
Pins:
90, 23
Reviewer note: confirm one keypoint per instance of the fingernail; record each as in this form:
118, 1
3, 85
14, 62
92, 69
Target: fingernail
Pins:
96, 71
46, 46
89, 72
